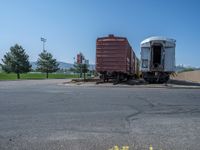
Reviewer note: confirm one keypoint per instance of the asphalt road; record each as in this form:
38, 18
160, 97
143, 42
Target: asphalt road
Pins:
46, 114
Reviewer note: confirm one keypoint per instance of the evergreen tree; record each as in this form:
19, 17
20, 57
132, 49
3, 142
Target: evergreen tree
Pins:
84, 69
46, 63
81, 68
16, 61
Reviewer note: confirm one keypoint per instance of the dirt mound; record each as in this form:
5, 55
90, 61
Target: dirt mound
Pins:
193, 76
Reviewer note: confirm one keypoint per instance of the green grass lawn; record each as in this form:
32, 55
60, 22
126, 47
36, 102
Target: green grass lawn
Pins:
12, 76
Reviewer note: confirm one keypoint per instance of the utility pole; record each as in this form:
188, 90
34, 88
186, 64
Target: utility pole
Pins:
43, 41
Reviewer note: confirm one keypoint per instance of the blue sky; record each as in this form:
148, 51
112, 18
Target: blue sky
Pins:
71, 26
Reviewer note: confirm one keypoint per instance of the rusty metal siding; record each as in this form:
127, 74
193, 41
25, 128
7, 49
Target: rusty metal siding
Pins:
114, 54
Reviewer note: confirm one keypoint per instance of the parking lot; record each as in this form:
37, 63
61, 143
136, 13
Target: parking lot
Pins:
47, 114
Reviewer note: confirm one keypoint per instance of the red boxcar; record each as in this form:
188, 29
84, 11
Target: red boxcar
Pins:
114, 58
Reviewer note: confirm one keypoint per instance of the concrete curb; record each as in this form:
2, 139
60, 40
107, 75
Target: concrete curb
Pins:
166, 86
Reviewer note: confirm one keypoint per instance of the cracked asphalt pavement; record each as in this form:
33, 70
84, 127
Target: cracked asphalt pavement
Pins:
45, 114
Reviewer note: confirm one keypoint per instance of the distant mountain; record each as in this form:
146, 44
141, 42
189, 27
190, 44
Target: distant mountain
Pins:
180, 68
63, 65
34, 66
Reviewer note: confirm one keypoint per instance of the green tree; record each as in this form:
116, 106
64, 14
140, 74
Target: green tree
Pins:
46, 63
16, 61
77, 68
82, 69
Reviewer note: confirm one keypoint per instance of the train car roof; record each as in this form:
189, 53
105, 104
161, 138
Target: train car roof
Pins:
158, 38
111, 37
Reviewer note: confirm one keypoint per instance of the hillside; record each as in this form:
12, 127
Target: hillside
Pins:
188, 76
63, 65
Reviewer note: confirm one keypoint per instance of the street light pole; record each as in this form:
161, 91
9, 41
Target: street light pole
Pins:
43, 41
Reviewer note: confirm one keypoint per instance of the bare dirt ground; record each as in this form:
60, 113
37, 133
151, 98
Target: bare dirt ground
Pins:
189, 76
